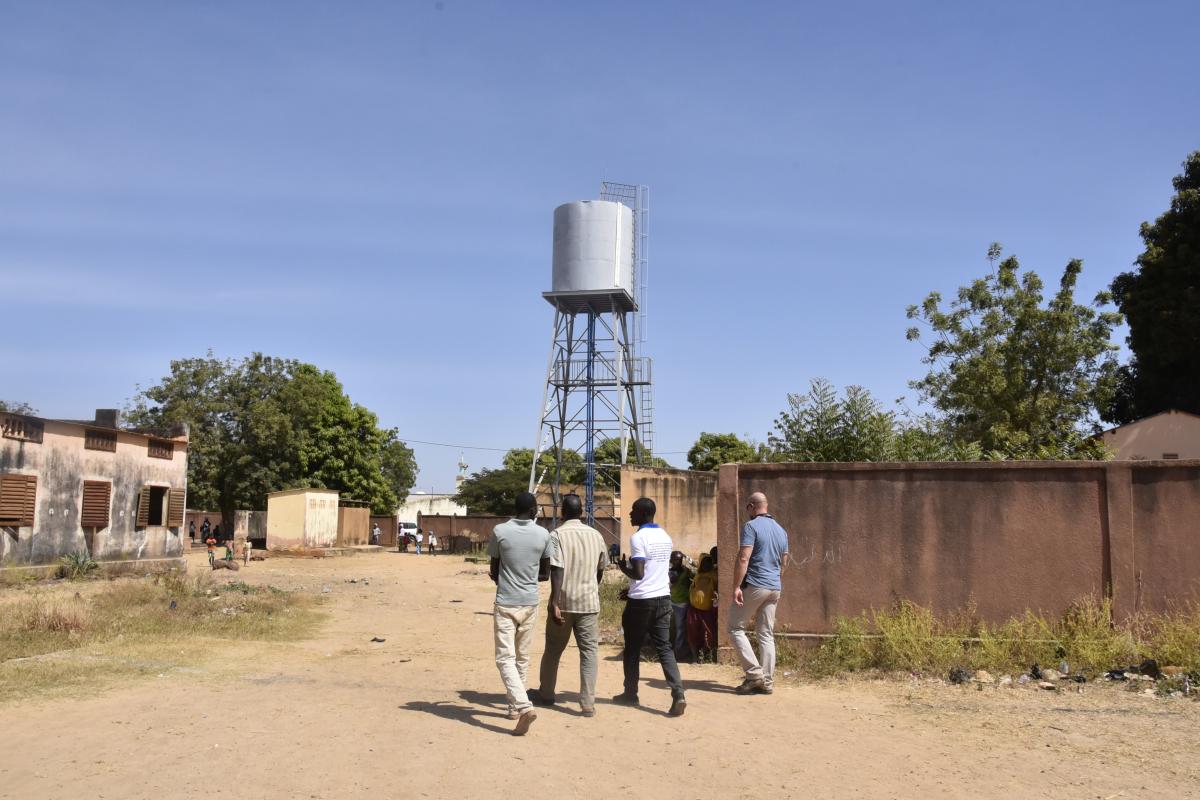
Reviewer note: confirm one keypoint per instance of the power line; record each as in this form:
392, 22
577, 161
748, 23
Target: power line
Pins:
506, 449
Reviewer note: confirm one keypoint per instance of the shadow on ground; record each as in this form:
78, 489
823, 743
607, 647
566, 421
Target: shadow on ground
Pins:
468, 714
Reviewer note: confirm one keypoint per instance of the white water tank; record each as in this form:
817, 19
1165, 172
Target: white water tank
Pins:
593, 247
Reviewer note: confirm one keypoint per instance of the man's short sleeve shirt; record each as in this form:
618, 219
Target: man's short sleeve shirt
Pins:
577, 550
652, 545
770, 542
520, 544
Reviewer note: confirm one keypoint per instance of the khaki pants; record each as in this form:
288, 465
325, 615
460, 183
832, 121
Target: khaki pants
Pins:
758, 604
587, 638
513, 628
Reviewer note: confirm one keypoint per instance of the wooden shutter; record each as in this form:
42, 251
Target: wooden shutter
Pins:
143, 517
18, 498
97, 499
175, 509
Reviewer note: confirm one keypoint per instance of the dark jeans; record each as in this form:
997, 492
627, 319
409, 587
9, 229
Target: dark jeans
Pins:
653, 617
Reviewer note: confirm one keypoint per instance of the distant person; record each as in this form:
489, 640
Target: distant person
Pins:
401, 540
375, 534
702, 612
648, 605
211, 545
420, 538
762, 556
680, 577
614, 553
192, 530
246, 550
205, 528
520, 552
433, 542
576, 569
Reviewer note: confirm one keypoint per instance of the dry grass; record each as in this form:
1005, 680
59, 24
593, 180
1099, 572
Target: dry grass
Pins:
54, 637
611, 605
909, 638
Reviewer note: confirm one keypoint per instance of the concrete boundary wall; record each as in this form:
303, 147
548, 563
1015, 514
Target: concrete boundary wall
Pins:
1001, 536
476, 528
686, 501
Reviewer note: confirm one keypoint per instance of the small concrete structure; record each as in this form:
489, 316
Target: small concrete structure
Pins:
354, 524
70, 486
686, 502
1168, 436
302, 519
419, 503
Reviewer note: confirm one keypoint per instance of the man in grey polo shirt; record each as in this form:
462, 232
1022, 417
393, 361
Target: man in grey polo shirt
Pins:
763, 554
520, 553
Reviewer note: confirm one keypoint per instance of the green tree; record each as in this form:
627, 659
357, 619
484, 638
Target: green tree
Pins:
820, 426
263, 424
398, 465
17, 408
1021, 378
519, 460
492, 491
1161, 301
608, 462
712, 450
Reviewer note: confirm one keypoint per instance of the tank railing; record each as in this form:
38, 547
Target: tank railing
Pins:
604, 371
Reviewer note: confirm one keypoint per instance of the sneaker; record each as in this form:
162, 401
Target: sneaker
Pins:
625, 699
752, 686
539, 699
524, 721
767, 689
588, 711
678, 706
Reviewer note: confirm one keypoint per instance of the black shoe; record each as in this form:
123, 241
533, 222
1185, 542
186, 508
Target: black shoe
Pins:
678, 706
538, 699
625, 699
752, 686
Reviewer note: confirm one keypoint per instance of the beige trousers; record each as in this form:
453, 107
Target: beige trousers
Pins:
513, 628
758, 604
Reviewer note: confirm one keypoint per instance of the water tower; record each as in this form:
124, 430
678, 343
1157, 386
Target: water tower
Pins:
598, 389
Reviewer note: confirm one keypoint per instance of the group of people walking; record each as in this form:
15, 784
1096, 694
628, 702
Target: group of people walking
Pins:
573, 558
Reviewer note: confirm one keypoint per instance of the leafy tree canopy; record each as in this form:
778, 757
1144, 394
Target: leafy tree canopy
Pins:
263, 424
823, 426
519, 459
1161, 301
493, 491
712, 450
1021, 377
17, 408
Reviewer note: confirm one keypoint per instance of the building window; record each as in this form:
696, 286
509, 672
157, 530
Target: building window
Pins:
23, 429
18, 498
175, 509
159, 505
100, 440
1170, 456
97, 499
160, 448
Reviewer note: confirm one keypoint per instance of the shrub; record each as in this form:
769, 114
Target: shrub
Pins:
77, 565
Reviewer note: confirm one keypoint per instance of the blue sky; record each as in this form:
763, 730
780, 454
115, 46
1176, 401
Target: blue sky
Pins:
369, 187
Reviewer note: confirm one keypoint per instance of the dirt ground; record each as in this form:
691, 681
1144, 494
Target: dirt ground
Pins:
422, 715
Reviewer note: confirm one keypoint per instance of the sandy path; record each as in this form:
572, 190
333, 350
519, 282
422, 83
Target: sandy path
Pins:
337, 716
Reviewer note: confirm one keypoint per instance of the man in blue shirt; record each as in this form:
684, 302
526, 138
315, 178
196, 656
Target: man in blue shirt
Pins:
762, 556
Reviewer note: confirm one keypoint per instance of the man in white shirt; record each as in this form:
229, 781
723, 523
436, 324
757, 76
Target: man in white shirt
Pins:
648, 605
432, 543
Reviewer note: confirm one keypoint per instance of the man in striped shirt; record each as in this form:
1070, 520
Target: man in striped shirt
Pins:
576, 568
